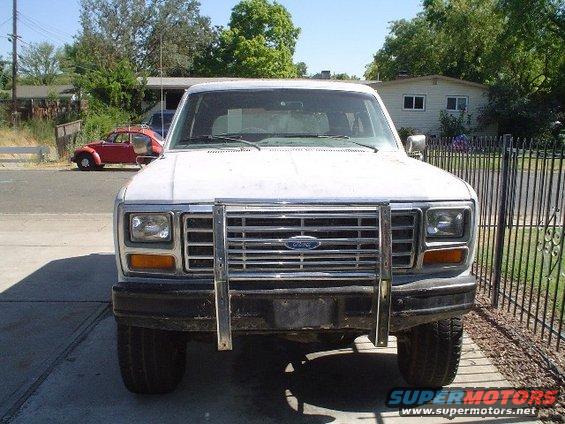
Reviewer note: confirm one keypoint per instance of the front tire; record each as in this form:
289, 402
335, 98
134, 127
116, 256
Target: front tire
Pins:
429, 354
85, 162
151, 361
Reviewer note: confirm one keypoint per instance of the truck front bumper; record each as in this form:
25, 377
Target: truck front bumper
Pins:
191, 306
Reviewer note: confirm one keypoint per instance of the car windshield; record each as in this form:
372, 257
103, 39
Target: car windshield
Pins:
167, 118
282, 117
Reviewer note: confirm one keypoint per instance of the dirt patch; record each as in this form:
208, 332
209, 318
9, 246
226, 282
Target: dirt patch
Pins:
523, 360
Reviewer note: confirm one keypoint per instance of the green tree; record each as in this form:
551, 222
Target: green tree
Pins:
116, 86
534, 39
517, 47
344, 76
468, 33
411, 46
258, 43
301, 70
455, 38
39, 63
136, 30
5, 74
520, 112
536, 18
114, 97
527, 92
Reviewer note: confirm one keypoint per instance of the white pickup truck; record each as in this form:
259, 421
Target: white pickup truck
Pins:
290, 208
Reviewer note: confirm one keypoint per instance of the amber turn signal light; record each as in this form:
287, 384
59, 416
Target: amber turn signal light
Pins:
447, 256
151, 262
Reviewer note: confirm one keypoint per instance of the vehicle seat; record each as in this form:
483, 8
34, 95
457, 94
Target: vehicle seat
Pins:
338, 124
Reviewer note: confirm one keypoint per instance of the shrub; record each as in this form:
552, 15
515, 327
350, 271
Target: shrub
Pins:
522, 113
98, 121
117, 86
42, 130
405, 132
4, 114
453, 125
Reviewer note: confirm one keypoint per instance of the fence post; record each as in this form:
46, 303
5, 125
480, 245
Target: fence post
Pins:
501, 218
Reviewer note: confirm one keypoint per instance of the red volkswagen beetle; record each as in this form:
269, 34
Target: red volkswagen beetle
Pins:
118, 147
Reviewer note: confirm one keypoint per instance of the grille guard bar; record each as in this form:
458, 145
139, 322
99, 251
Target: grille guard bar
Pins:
382, 277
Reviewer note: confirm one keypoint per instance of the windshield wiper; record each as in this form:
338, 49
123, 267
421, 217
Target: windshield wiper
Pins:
334, 136
310, 135
211, 137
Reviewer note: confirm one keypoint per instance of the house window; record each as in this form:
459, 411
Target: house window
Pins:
414, 102
457, 103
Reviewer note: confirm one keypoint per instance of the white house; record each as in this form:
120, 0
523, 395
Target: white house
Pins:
417, 102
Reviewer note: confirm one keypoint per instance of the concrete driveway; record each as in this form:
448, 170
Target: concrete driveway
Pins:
57, 345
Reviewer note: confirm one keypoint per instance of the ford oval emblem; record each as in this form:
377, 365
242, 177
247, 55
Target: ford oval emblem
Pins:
302, 243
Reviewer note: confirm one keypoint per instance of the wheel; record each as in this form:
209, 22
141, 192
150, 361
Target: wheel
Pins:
428, 355
151, 361
85, 162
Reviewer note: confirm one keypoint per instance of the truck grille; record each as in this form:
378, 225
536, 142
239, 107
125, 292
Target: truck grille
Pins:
256, 241
198, 243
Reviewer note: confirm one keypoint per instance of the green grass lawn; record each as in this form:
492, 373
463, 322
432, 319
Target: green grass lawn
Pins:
531, 259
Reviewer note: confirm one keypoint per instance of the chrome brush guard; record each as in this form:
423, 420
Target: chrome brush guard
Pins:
286, 241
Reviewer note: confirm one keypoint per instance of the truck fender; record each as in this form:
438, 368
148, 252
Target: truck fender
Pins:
91, 151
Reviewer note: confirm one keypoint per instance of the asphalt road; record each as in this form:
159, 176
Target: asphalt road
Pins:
61, 191
57, 337
72, 191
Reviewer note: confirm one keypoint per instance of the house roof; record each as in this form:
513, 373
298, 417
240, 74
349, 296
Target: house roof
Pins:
42, 91
427, 77
182, 83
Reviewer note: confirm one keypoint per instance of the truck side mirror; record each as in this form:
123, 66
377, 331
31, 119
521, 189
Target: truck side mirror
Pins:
415, 144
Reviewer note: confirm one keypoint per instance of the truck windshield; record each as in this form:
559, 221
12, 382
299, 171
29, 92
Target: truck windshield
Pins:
282, 117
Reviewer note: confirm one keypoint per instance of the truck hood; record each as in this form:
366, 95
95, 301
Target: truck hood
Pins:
291, 174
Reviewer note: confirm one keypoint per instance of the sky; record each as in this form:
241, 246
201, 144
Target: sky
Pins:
337, 35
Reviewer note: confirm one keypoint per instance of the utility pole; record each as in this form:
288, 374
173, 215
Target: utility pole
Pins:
14, 61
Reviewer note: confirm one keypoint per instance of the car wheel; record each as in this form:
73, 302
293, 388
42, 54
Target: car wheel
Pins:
151, 361
85, 162
428, 355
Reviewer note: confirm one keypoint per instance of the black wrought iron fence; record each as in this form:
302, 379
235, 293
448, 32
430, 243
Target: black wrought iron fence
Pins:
520, 261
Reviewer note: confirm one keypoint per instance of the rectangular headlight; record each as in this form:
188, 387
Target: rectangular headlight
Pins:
150, 227
445, 223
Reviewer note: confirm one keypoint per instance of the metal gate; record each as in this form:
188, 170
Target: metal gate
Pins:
520, 261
